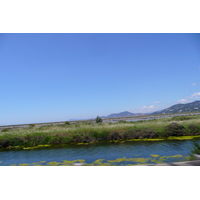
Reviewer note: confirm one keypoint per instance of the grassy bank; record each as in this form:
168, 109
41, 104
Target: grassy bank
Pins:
165, 128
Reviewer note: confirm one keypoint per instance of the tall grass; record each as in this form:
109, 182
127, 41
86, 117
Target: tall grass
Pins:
84, 133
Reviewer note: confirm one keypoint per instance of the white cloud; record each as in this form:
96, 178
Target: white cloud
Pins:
189, 99
146, 107
195, 94
157, 101
193, 84
152, 106
183, 101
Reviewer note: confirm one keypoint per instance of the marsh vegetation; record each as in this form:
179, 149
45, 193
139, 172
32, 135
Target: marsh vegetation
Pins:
86, 132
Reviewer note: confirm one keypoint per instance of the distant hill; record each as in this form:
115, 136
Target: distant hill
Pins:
180, 108
122, 114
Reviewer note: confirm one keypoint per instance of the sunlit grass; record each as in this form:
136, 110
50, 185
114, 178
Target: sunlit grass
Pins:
82, 133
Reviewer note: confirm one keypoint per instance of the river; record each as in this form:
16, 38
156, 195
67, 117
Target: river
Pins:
107, 154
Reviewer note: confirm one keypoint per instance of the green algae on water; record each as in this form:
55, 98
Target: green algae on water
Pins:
71, 162
38, 146
54, 163
137, 160
23, 164
154, 155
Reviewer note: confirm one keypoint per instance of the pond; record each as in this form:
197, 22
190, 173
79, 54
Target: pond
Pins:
105, 154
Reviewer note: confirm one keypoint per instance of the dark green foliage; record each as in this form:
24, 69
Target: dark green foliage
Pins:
114, 135
67, 123
17, 141
98, 119
82, 138
5, 143
31, 125
11, 142
86, 139
139, 134
131, 134
56, 140
193, 129
46, 139
99, 136
174, 129
5, 130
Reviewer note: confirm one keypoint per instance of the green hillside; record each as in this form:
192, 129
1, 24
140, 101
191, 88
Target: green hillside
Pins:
180, 108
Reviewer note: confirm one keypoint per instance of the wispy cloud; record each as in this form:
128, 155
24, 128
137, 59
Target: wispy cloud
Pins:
146, 107
157, 101
183, 101
192, 97
193, 84
195, 94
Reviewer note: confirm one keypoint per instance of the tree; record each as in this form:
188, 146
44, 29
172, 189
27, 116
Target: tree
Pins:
98, 119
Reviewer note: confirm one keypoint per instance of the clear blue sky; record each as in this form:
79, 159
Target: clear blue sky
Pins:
57, 77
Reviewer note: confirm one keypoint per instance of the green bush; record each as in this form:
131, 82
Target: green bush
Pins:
99, 136
67, 123
31, 125
5, 130
174, 129
98, 119
136, 133
193, 129
115, 135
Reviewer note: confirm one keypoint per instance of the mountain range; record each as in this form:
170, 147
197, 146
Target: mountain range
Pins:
123, 114
177, 108
180, 108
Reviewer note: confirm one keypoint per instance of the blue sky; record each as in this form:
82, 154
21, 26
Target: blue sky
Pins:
57, 77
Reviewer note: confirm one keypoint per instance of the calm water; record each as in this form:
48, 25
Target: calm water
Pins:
127, 153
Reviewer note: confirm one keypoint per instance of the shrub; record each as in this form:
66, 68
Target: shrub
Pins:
140, 133
131, 134
86, 139
5, 130
31, 125
55, 140
17, 141
174, 129
98, 119
100, 136
193, 129
114, 136
5, 143
76, 138
150, 133
45, 139
67, 123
